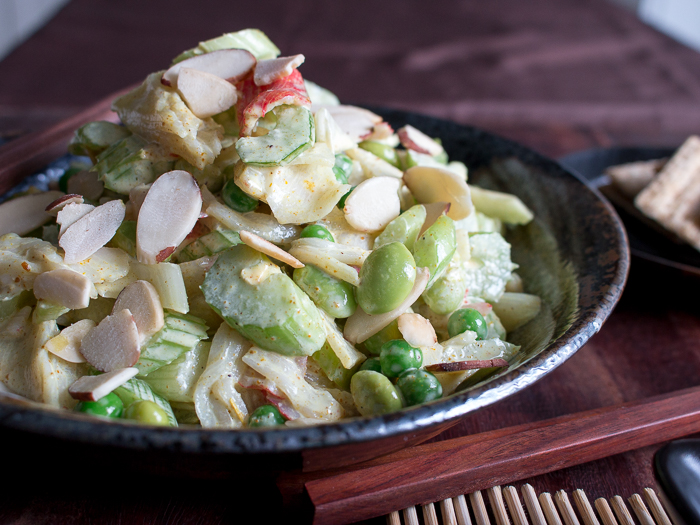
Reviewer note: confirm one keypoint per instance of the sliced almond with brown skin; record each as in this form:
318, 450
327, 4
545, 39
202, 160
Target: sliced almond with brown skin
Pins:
66, 345
415, 139
93, 388
112, 344
56, 206
92, 231
142, 300
267, 71
373, 204
70, 214
228, 64
433, 211
266, 247
136, 198
205, 94
23, 214
65, 287
429, 184
475, 364
356, 122
168, 213
87, 184
416, 330
361, 326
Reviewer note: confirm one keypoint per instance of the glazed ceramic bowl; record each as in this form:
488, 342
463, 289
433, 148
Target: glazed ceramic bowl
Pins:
574, 255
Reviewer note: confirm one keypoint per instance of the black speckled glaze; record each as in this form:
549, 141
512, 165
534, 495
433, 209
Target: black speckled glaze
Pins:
577, 239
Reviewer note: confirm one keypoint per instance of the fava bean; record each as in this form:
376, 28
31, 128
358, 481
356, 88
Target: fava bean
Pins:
386, 278
333, 296
404, 228
419, 386
435, 248
398, 356
265, 416
447, 293
373, 345
382, 151
373, 363
107, 406
467, 319
147, 412
374, 394
236, 199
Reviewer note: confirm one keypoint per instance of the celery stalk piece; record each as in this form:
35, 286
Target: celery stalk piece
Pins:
176, 381
168, 281
93, 138
252, 40
211, 176
504, 206
138, 390
209, 244
125, 238
12, 305
181, 333
97, 310
46, 311
320, 95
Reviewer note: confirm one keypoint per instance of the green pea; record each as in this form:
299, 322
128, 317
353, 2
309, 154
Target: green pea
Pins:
63, 181
341, 202
373, 363
333, 296
386, 278
342, 168
317, 231
147, 412
397, 356
382, 151
404, 228
419, 386
374, 394
265, 416
236, 199
435, 248
373, 345
107, 406
467, 319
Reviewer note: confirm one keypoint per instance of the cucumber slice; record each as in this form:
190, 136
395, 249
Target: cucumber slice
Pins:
95, 137
180, 334
138, 390
209, 244
295, 133
252, 40
45, 311
176, 382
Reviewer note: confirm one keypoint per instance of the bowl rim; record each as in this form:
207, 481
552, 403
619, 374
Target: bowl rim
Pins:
36, 418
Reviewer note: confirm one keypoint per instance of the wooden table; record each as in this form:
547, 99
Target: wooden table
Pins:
558, 76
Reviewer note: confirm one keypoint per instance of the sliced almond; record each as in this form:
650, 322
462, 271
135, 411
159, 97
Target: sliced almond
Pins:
381, 131
205, 94
92, 388
433, 211
475, 364
142, 300
430, 184
70, 213
169, 212
23, 214
87, 184
92, 231
356, 122
416, 330
136, 198
373, 204
267, 71
361, 326
266, 247
415, 139
66, 345
228, 64
56, 206
113, 344
64, 287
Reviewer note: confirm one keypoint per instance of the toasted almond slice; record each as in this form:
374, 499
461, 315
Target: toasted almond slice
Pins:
92, 388
267, 71
373, 204
64, 287
430, 184
169, 212
70, 214
66, 345
381, 131
87, 184
229, 64
414, 139
142, 300
112, 344
270, 249
358, 123
24, 214
92, 231
475, 364
361, 326
417, 330
433, 211
205, 94
136, 198
56, 206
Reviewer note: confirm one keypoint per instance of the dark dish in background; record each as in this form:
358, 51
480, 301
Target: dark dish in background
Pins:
557, 77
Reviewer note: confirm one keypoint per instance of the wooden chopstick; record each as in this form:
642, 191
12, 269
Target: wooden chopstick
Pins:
436, 471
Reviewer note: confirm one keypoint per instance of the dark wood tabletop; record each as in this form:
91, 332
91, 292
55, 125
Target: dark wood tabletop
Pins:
558, 76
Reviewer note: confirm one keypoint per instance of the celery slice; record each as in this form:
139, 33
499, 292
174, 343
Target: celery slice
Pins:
176, 381
138, 390
252, 40
209, 244
94, 137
